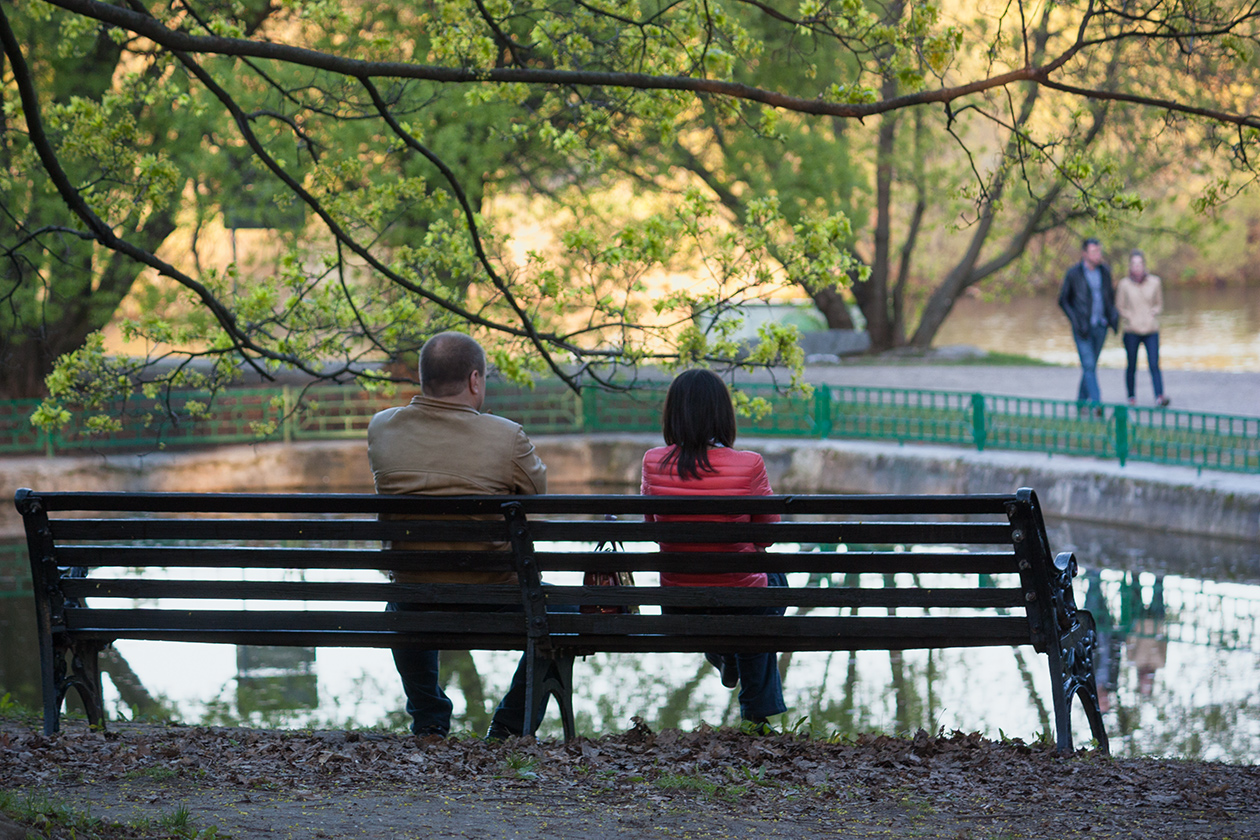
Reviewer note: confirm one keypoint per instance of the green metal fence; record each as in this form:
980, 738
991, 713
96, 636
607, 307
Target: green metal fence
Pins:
973, 420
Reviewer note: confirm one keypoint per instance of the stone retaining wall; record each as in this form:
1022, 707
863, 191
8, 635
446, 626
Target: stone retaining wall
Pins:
1172, 499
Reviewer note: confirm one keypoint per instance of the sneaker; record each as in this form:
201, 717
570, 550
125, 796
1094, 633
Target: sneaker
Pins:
1162, 401
429, 731
498, 732
1132, 401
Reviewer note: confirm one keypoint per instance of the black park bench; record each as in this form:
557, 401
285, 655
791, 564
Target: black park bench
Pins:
965, 571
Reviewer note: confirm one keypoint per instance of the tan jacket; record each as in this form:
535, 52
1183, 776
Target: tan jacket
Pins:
438, 448
1140, 304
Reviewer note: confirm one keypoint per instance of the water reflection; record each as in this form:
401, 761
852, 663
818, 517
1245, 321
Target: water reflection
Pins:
1138, 550
1201, 328
1181, 618
275, 679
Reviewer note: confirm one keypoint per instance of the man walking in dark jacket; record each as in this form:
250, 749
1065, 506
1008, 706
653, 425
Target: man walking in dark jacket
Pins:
1088, 298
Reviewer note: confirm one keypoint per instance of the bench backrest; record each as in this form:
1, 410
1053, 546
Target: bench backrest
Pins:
978, 564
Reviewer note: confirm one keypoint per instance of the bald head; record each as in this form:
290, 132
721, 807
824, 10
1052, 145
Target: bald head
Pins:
447, 362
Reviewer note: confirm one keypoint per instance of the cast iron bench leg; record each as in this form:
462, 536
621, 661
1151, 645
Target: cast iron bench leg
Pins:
558, 683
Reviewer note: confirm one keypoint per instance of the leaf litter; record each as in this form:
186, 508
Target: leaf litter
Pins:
702, 783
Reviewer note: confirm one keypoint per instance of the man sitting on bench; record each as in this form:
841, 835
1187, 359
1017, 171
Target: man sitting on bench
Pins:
442, 445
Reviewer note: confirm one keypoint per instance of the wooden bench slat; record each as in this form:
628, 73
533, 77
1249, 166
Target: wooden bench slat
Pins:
787, 630
595, 642
853, 562
446, 639
312, 621
251, 557
956, 533
809, 597
959, 533
801, 597
821, 562
592, 505
426, 593
272, 530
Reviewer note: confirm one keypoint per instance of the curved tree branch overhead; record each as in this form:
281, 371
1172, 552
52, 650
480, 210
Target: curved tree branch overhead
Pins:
691, 157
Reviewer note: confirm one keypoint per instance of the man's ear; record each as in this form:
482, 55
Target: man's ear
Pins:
476, 383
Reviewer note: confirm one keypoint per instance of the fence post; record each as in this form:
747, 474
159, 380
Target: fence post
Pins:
1122, 433
590, 409
286, 398
822, 411
978, 431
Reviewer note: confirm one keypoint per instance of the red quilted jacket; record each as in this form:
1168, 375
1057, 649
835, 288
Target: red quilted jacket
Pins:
735, 473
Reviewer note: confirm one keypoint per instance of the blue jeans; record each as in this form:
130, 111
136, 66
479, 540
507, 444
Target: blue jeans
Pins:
1088, 348
427, 703
1131, 343
760, 688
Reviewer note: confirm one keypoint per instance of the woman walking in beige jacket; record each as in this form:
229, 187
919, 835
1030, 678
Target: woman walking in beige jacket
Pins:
1140, 300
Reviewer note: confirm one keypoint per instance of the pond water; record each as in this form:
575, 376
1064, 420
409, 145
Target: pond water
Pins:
1202, 328
1183, 679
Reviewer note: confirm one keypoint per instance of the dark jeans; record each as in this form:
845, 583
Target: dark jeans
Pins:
427, 703
1131, 344
760, 688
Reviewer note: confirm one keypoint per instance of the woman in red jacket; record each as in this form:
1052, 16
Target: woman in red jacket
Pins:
699, 427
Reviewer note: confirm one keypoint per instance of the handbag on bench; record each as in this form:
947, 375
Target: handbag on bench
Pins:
608, 579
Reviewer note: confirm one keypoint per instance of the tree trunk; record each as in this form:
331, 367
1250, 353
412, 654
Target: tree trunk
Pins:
879, 324
22, 370
874, 300
458, 664
831, 304
130, 689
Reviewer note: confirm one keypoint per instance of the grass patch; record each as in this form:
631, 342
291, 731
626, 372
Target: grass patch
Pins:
523, 766
998, 360
674, 781
709, 789
41, 813
43, 816
905, 357
177, 824
13, 709
158, 774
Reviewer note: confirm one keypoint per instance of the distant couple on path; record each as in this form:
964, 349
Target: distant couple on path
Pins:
1093, 305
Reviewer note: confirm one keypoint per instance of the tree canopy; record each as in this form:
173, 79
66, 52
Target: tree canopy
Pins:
380, 125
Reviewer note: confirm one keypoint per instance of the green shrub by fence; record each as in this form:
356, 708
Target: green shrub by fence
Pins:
979, 421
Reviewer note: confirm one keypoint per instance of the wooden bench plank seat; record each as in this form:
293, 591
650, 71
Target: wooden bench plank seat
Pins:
886, 573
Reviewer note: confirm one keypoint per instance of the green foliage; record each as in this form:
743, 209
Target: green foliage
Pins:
368, 193
11, 708
523, 766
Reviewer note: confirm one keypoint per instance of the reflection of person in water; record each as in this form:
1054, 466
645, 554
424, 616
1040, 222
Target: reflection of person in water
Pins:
1147, 644
1107, 654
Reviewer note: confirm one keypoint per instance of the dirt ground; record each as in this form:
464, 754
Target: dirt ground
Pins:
149, 781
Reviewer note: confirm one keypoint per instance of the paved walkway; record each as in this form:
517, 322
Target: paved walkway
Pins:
1208, 391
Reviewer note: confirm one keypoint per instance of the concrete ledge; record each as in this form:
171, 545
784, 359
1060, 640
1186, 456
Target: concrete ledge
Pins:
328, 466
1174, 500
1170, 499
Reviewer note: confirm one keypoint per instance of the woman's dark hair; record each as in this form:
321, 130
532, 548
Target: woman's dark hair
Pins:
698, 414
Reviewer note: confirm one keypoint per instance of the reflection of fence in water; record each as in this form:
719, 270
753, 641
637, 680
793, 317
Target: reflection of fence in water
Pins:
1225, 616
